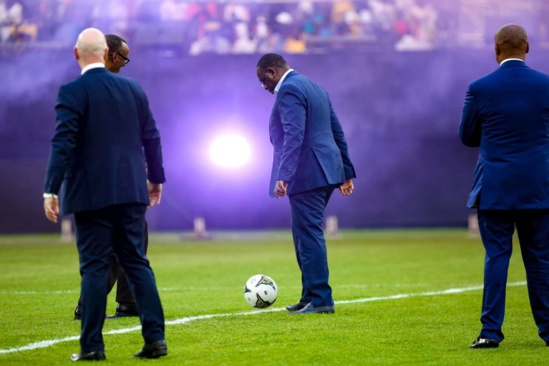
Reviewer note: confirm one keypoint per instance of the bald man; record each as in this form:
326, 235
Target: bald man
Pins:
96, 159
119, 52
506, 115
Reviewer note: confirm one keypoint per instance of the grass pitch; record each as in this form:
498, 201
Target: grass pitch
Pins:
403, 297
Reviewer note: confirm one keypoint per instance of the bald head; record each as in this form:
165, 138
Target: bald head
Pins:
511, 41
91, 47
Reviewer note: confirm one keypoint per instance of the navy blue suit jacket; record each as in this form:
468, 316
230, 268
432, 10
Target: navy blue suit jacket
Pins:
310, 150
104, 134
506, 114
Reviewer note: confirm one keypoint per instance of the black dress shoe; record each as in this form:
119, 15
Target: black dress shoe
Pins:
298, 306
89, 356
153, 350
485, 343
123, 310
312, 309
78, 312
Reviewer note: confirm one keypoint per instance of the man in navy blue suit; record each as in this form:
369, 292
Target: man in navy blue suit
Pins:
104, 134
119, 53
310, 160
506, 114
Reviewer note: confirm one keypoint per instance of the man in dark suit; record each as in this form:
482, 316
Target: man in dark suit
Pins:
310, 161
119, 53
506, 114
104, 134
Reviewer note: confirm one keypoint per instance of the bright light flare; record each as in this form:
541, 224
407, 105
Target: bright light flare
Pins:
230, 151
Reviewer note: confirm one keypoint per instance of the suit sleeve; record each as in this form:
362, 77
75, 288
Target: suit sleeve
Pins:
470, 126
339, 137
151, 141
293, 116
68, 114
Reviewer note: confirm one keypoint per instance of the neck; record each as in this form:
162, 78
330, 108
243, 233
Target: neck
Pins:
90, 60
507, 56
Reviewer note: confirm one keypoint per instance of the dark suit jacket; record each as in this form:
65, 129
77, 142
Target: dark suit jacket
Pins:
310, 150
103, 126
506, 114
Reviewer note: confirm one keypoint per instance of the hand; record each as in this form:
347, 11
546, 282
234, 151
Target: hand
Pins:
281, 188
347, 188
51, 208
155, 193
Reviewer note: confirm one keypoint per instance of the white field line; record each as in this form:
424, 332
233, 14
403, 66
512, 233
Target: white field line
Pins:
191, 288
48, 343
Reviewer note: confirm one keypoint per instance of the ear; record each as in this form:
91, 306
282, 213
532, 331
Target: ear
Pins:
527, 47
76, 57
106, 55
498, 50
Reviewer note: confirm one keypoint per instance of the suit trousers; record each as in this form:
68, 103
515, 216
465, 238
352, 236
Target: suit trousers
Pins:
117, 274
310, 245
496, 229
98, 233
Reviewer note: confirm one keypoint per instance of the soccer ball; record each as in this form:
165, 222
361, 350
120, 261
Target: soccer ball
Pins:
260, 291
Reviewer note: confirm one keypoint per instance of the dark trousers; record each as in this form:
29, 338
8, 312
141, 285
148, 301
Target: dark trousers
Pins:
98, 233
117, 274
496, 229
310, 246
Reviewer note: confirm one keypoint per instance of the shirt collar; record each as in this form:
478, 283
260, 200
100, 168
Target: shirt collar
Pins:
92, 66
277, 87
510, 59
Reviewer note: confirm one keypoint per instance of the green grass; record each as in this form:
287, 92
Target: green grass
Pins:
39, 286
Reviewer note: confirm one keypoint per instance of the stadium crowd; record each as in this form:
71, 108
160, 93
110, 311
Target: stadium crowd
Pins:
224, 27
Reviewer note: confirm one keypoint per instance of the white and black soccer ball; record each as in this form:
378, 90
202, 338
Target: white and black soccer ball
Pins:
260, 291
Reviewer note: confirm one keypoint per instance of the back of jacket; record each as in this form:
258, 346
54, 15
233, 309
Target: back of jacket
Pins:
506, 114
103, 128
